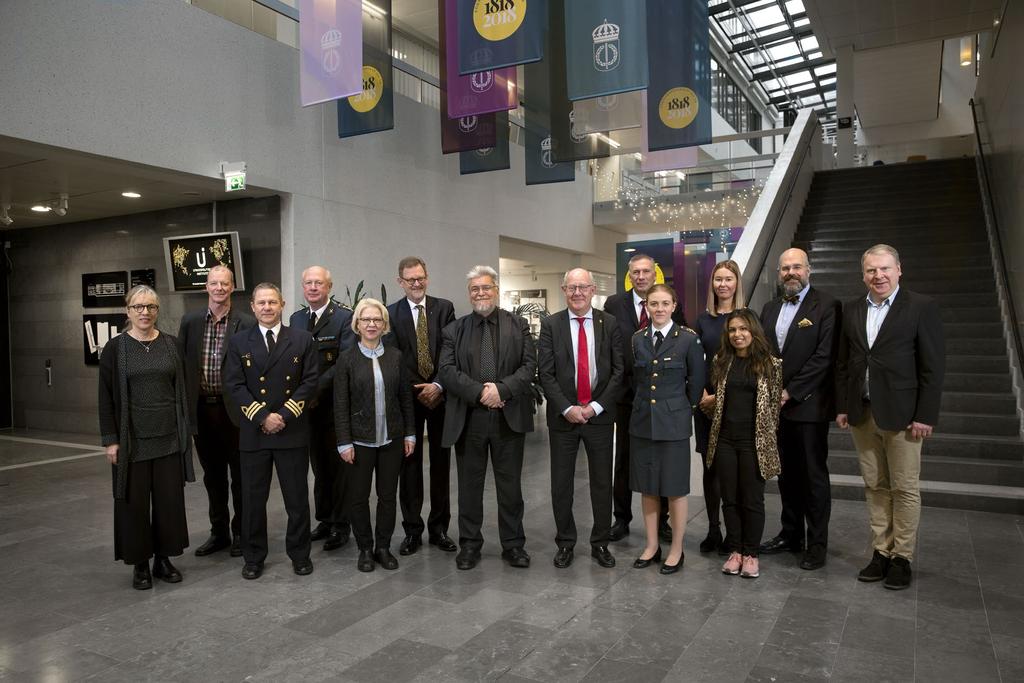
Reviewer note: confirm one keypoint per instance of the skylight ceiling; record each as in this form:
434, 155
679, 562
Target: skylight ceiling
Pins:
778, 49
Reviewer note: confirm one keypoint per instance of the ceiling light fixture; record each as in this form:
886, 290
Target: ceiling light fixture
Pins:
966, 50
42, 208
131, 195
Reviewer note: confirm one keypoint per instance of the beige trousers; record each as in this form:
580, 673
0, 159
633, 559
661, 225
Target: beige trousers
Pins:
890, 463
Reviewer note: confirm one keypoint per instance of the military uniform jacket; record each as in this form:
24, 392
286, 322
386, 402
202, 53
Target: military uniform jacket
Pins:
667, 384
261, 383
332, 334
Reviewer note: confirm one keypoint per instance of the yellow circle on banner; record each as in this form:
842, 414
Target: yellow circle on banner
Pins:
373, 90
678, 107
659, 278
498, 19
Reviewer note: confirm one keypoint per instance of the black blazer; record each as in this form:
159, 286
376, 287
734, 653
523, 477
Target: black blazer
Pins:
621, 306
355, 410
260, 383
517, 368
440, 313
332, 334
190, 346
556, 364
808, 356
667, 384
907, 363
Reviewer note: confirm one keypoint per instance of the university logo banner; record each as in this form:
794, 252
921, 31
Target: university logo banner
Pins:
373, 108
499, 33
331, 50
679, 88
541, 166
464, 133
478, 93
486, 159
605, 47
666, 159
609, 112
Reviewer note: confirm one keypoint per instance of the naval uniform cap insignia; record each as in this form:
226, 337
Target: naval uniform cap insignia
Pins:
295, 359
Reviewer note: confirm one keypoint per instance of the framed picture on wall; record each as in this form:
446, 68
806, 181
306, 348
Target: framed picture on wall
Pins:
189, 259
98, 330
104, 290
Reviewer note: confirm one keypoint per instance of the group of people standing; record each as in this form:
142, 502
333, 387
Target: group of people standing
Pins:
357, 393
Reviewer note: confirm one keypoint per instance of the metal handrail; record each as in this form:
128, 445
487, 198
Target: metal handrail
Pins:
997, 238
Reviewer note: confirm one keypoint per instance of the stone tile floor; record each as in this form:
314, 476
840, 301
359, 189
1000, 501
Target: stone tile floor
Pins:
69, 612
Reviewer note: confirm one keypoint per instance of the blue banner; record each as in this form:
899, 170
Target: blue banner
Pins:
605, 47
541, 167
679, 82
495, 158
373, 109
499, 33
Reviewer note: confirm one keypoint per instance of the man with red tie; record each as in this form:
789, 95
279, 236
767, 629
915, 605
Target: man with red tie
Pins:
581, 371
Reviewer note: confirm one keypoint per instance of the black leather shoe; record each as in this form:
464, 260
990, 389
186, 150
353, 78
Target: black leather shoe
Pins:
252, 570
898, 576
780, 544
212, 545
640, 563
563, 558
410, 545
303, 567
467, 559
516, 557
442, 541
322, 531
618, 531
164, 570
385, 559
335, 540
142, 580
236, 547
814, 558
603, 556
365, 561
667, 568
876, 569
665, 532
712, 541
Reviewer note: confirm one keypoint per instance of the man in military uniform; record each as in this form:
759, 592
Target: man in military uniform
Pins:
270, 372
331, 327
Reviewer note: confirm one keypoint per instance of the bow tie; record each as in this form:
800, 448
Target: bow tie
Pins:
795, 299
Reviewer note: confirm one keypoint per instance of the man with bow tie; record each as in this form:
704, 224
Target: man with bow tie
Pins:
802, 327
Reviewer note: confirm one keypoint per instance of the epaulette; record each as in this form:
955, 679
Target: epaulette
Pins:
684, 327
642, 330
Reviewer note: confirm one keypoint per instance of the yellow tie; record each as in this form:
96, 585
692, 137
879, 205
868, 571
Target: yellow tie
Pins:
425, 365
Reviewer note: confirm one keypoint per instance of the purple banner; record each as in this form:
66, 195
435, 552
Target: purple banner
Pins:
479, 93
331, 58
665, 160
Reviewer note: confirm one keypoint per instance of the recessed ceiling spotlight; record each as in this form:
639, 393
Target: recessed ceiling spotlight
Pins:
40, 208
131, 195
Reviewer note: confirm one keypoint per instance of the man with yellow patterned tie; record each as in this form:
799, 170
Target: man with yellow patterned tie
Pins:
416, 324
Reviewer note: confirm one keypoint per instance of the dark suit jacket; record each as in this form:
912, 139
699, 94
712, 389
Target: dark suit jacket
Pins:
621, 306
517, 368
556, 363
440, 312
907, 363
331, 335
355, 410
667, 384
190, 345
808, 356
261, 383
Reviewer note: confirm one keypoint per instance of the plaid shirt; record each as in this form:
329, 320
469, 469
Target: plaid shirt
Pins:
213, 351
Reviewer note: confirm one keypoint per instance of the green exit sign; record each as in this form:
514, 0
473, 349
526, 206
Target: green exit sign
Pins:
234, 182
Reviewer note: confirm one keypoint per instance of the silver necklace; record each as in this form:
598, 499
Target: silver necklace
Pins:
145, 345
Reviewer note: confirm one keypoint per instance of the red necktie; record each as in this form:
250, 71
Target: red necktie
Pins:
582, 366
644, 320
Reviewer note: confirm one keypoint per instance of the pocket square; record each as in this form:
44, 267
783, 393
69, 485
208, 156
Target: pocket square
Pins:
804, 323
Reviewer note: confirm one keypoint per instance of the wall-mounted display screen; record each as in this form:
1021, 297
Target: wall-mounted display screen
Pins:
189, 259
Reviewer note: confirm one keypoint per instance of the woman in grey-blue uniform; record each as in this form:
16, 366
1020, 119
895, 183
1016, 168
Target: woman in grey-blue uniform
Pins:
668, 376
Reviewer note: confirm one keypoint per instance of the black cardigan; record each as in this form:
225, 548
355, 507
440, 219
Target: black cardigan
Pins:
114, 414
355, 414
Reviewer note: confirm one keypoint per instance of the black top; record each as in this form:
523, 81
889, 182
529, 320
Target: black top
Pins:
709, 329
152, 412
740, 398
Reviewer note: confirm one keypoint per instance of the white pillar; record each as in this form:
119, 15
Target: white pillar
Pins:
844, 106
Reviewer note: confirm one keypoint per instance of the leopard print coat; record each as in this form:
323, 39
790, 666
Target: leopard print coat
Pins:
769, 393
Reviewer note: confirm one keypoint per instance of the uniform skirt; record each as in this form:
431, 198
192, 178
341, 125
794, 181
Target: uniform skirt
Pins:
659, 468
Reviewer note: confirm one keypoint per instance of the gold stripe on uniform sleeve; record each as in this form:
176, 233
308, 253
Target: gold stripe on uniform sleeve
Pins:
250, 410
295, 406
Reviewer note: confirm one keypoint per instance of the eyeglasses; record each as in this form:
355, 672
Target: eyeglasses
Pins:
372, 321
482, 289
572, 289
414, 280
312, 283
139, 308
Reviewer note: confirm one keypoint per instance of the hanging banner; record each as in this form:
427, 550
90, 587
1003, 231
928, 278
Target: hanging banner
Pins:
499, 33
679, 89
666, 159
609, 112
464, 133
373, 108
478, 93
605, 47
541, 167
331, 54
495, 158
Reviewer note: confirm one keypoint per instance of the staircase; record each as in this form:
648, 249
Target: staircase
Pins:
931, 213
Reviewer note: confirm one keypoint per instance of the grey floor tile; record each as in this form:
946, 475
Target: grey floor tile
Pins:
871, 666
399, 661
880, 634
957, 667
612, 671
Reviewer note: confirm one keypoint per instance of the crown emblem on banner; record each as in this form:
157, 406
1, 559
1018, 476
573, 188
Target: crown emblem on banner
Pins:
330, 39
606, 46
545, 144
545, 153
330, 58
607, 102
606, 32
576, 136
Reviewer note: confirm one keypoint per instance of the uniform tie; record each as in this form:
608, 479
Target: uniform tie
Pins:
423, 362
271, 343
582, 366
312, 320
658, 338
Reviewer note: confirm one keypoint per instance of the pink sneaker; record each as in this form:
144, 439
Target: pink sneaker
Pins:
750, 567
732, 565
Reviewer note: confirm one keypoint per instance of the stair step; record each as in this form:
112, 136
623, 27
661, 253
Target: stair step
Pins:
978, 364
969, 381
964, 446
971, 240
849, 288
910, 262
976, 423
944, 211
975, 346
941, 494
993, 403
814, 231
978, 471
